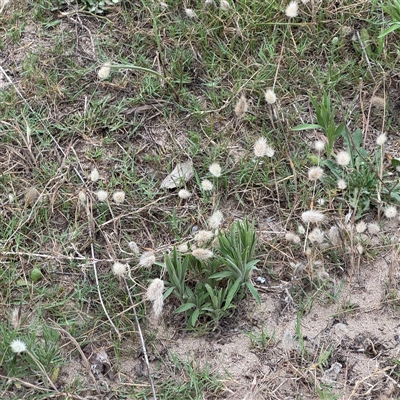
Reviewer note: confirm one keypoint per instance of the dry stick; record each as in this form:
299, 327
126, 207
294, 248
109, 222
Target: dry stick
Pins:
311, 208
78, 347
102, 303
41, 367
364, 52
136, 320
366, 125
27, 384
90, 228
381, 160
142, 341
278, 66
380, 174
57, 256
273, 113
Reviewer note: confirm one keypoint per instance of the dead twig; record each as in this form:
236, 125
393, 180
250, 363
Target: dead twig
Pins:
85, 361
142, 341
90, 228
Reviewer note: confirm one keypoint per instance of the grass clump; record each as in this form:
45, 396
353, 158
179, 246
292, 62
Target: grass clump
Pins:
287, 115
210, 283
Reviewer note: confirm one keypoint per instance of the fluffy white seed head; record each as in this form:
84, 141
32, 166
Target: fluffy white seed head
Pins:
147, 259
341, 184
241, 107
119, 197
269, 151
360, 249
301, 230
154, 294
203, 237
134, 247
15, 317
292, 237
308, 251
319, 145
316, 236
215, 220
381, 139
202, 254
334, 235
390, 212
82, 197
292, 9
261, 148
158, 307
312, 216
361, 227
373, 228
215, 170
101, 195
343, 158
119, 269
378, 102
270, 96
224, 5
190, 13
94, 175
18, 346
183, 248
104, 71
206, 185
155, 289
184, 194
288, 340
315, 173
32, 195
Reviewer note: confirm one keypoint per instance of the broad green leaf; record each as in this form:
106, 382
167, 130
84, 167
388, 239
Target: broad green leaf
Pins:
395, 161
232, 292
339, 130
395, 196
168, 292
220, 275
195, 317
210, 292
391, 28
185, 307
253, 291
303, 127
358, 138
250, 265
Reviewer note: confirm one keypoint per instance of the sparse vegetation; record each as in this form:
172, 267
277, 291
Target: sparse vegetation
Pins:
137, 142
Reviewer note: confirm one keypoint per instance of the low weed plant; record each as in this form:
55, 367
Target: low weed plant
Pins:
209, 289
